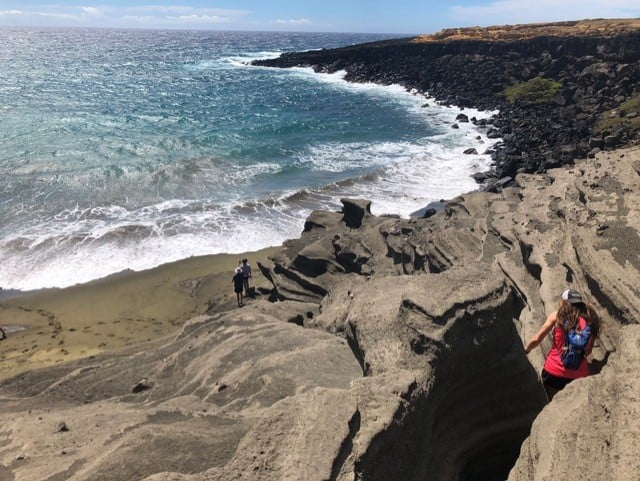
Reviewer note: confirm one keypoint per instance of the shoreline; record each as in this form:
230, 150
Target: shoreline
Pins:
124, 310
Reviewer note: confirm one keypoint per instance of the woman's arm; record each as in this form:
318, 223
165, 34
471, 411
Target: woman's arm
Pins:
542, 333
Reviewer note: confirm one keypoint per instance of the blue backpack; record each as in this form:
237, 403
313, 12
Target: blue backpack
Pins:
574, 344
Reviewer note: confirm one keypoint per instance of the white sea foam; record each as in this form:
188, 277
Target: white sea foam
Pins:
91, 247
245, 59
409, 176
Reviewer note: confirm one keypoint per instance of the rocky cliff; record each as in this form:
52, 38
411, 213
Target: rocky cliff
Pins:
591, 100
391, 349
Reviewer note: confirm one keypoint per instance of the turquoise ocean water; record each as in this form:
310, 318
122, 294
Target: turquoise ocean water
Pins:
123, 149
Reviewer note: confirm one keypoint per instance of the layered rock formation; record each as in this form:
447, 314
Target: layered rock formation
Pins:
595, 64
391, 350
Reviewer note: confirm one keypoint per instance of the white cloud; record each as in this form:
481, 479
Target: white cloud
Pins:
182, 15
10, 13
74, 14
201, 19
526, 11
50, 16
153, 10
182, 10
54, 15
93, 12
294, 21
178, 16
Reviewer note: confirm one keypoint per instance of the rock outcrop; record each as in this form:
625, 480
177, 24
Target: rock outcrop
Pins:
391, 349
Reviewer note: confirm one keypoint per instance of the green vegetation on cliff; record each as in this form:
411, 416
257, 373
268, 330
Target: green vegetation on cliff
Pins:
625, 117
536, 91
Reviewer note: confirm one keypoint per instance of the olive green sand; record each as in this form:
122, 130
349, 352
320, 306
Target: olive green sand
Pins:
129, 309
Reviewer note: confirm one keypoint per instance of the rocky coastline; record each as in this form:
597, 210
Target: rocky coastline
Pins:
383, 348
597, 70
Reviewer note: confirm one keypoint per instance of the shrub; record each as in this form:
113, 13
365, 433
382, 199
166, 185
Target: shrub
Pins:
536, 91
626, 117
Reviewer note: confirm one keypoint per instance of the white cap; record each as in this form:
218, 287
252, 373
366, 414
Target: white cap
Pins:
572, 296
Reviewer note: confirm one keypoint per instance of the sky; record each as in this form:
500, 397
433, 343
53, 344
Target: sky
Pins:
370, 16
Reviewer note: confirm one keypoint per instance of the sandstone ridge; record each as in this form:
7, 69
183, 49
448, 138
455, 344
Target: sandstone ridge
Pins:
391, 349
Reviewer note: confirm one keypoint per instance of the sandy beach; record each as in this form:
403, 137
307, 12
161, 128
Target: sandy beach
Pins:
128, 310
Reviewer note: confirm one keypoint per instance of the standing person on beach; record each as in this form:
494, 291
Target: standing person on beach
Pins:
246, 272
575, 323
238, 284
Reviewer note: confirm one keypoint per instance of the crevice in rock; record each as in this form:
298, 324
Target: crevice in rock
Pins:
420, 342
408, 304
297, 320
581, 197
315, 267
604, 300
350, 262
438, 263
418, 262
309, 225
469, 423
451, 207
505, 241
352, 341
533, 269
516, 289
355, 211
399, 257
596, 365
433, 267
569, 273
347, 446
494, 458
297, 278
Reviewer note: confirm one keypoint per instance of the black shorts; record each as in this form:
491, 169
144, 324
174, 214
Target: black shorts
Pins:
554, 381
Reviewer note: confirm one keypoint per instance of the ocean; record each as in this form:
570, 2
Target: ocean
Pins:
126, 149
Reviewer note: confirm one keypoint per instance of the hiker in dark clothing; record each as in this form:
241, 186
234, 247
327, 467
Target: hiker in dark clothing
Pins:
246, 272
238, 285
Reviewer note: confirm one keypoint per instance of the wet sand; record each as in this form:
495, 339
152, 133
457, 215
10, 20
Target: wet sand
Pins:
123, 311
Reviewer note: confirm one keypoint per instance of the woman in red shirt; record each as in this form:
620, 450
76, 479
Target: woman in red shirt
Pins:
573, 314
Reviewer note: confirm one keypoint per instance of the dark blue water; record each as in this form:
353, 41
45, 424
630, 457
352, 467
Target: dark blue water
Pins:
126, 149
